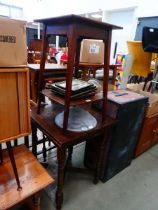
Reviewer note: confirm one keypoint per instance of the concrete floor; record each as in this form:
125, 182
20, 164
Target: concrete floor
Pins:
135, 188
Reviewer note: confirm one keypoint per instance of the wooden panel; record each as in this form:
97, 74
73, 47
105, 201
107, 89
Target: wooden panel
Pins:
33, 178
147, 135
14, 103
155, 132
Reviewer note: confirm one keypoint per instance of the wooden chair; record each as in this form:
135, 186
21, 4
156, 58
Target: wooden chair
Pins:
140, 69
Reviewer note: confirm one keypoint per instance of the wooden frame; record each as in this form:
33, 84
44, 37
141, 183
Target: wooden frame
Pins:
14, 103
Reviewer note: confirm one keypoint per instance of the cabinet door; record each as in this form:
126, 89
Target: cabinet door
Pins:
147, 135
155, 131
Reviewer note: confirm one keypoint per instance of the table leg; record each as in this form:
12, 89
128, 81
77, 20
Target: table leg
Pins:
12, 159
102, 154
36, 201
15, 142
61, 155
70, 151
1, 154
34, 139
26, 141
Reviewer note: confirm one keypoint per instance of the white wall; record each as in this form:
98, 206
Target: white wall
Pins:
49, 8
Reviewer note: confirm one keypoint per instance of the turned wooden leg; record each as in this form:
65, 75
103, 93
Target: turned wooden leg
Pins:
26, 141
1, 154
12, 159
61, 155
34, 139
102, 154
69, 160
44, 151
15, 142
36, 201
70, 151
33, 203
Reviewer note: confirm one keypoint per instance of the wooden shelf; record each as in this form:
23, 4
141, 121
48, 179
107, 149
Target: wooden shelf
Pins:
46, 121
61, 100
76, 28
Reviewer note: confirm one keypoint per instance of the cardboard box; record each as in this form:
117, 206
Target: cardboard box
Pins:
92, 51
14, 103
153, 98
135, 87
13, 49
153, 103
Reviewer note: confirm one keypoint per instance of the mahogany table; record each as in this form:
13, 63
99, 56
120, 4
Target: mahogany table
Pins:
45, 122
76, 28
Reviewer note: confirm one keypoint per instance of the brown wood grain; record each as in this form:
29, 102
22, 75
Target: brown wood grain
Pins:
148, 135
14, 103
33, 178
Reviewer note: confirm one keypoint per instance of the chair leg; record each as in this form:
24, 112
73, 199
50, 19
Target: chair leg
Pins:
12, 159
15, 142
26, 141
44, 149
1, 154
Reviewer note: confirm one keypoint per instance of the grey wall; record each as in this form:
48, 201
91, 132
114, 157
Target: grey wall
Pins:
145, 21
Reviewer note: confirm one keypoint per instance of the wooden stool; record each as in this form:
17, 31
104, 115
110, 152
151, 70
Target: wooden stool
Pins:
33, 179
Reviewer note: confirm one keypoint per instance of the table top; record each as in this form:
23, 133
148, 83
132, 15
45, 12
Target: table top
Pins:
45, 121
54, 66
33, 177
48, 66
69, 19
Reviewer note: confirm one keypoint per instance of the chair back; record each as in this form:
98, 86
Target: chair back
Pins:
141, 60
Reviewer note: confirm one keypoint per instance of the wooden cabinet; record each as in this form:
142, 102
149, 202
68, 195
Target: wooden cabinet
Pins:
148, 135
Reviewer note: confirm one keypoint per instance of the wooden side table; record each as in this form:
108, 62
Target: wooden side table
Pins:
76, 28
45, 122
33, 178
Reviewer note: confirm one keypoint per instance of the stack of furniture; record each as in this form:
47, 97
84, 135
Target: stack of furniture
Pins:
75, 28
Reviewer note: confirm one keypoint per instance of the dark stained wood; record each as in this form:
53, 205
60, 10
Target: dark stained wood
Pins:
33, 178
46, 122
76, 28
68, 19
61, 100
51, 71
63, 141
